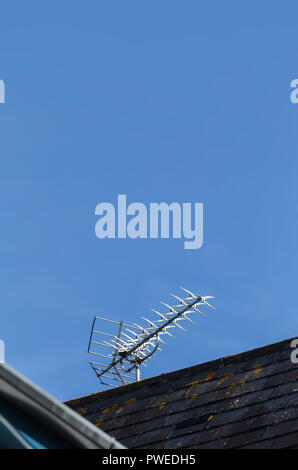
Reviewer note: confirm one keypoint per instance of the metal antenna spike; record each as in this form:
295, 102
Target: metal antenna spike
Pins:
129, 337
168, 333
193, 296
132, 332
110, 345
189, 319
116, 345
153, 325
169, 307
141, 328
209, 305
179, 326
182, 301
162, 316
199, 311
162, 341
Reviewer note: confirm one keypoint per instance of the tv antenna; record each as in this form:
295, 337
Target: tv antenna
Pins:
122, 353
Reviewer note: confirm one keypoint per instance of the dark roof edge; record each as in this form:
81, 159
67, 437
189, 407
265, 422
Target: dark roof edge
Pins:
20, 389
188, 370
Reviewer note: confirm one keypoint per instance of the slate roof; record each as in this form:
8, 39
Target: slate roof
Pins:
244, 401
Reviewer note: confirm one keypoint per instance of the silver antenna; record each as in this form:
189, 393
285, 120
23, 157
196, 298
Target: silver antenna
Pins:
122, 352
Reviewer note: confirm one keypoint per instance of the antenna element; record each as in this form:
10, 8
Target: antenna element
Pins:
123, 353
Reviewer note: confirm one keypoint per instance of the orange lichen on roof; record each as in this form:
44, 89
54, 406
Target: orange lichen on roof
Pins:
224, 377
234, 385
209, 377
210, 417
158, 405
195, 395
193, 383
258, 371
131, 400
81, 411
120, 409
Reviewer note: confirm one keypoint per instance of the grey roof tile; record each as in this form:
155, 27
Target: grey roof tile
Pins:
247, 400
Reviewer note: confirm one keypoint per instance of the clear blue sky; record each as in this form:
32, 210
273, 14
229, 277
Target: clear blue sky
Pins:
162, 101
